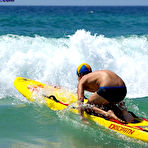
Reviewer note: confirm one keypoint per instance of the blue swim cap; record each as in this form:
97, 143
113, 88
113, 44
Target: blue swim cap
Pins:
83, 69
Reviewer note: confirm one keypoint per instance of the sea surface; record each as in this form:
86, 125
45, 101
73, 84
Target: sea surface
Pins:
47, 44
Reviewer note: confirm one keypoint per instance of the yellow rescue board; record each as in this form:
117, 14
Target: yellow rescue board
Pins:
59, 99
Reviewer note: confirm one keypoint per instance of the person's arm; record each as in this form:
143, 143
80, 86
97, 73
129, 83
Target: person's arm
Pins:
80, 93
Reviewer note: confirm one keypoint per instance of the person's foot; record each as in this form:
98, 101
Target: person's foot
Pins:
111, 115
127, 116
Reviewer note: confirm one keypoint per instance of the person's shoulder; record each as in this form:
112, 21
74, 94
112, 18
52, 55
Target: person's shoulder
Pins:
104, 71
99, 71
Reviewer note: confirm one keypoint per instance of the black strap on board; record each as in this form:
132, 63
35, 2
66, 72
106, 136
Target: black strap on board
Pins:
55, 99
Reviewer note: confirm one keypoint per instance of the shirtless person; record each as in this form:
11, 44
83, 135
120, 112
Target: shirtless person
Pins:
107, 88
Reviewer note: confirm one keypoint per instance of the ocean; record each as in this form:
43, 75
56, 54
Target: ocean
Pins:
47, 44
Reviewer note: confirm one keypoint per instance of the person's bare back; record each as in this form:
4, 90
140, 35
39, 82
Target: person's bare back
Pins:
100, 78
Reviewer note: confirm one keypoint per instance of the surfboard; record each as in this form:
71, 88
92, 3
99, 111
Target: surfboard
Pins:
60, 98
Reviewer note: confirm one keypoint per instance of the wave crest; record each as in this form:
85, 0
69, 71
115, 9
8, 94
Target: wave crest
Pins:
55, 59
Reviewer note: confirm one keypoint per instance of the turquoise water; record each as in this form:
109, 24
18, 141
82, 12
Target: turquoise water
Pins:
34, 125
47, 44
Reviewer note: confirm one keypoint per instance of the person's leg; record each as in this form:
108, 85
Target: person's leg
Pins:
95, 99
127, 116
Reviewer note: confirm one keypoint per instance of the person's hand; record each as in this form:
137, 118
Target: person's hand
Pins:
85, 121
81, 99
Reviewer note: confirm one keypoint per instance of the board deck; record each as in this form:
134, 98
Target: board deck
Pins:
60, 98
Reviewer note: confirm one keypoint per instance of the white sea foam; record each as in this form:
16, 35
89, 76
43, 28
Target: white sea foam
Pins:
55, 60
